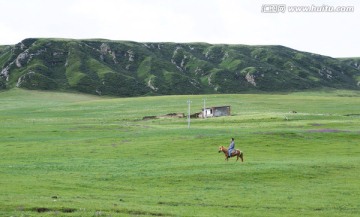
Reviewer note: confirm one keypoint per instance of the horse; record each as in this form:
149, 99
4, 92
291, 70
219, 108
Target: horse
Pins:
237, 153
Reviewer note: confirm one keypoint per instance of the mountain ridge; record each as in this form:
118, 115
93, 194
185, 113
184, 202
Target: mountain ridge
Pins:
128, 68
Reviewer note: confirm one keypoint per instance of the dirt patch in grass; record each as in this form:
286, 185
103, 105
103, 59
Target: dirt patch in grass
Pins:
349, 115
327, 131
44, 209
140, 212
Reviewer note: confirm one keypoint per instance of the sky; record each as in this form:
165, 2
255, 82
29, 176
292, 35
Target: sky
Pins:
250, 22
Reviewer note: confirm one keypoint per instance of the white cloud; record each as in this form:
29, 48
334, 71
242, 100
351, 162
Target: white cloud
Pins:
8, 35
213, 21
151, 21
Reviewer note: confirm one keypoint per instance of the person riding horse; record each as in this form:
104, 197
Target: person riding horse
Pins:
231, 147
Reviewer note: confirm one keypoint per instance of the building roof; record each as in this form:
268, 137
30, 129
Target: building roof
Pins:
217, 107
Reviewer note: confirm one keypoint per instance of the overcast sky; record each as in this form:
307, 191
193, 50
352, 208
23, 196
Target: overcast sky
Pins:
333, 34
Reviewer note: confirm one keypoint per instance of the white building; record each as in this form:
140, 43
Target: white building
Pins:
216, 111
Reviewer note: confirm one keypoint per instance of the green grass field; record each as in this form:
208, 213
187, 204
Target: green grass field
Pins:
67, 154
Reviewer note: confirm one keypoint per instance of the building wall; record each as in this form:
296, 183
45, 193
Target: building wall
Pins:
221, 111
208, 113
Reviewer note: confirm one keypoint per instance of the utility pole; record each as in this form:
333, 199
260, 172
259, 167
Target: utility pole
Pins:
188, 102
205, 112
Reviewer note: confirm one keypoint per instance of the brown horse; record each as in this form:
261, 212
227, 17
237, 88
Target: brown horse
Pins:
237, 153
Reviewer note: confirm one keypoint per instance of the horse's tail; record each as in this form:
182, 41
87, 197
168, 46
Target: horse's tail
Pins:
242, 156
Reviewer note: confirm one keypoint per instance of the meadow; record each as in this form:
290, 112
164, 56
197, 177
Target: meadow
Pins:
66, 154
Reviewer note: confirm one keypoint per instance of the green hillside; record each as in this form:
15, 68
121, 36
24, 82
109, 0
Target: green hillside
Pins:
124, 68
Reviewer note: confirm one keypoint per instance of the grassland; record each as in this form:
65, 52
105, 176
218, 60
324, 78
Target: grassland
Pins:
79, 155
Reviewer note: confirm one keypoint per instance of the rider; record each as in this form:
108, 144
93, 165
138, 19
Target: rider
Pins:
231, 147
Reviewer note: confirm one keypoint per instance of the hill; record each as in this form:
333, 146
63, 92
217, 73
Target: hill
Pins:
125, 68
